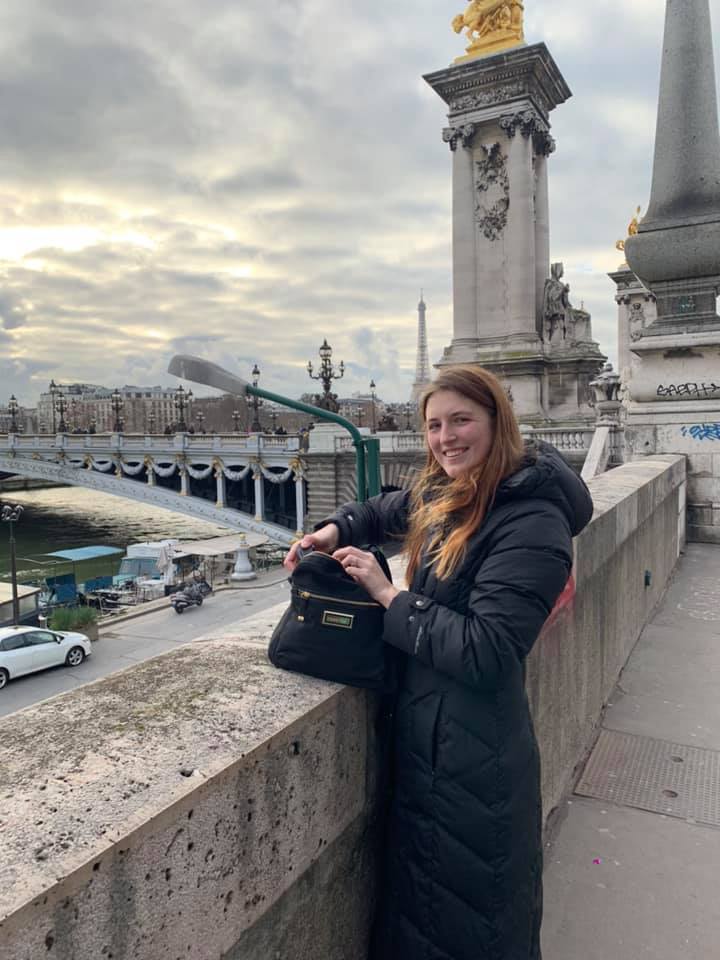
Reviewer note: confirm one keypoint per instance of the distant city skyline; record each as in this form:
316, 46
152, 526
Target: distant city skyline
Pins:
243, 181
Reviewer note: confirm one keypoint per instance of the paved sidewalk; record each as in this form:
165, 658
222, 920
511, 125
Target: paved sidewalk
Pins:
634, 869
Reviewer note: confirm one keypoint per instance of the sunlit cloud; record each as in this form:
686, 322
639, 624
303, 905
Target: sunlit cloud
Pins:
243, 180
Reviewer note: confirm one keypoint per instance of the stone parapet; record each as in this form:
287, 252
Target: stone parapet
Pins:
203, 804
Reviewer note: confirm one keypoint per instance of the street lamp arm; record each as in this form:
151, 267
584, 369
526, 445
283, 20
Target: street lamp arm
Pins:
210, 374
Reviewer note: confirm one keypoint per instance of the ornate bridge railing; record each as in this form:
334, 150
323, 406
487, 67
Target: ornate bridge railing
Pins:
147, 468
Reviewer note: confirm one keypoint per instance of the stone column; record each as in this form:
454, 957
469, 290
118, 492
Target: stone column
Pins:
542, 230
259, 494
300, 504
521, 231
221, 487
184, 481
151, 478
499, 108
464, 252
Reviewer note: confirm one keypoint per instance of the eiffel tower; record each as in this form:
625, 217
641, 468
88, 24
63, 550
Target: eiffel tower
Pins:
422, 367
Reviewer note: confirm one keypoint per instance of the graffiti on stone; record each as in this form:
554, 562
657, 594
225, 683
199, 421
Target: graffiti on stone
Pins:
702, 431
696, 391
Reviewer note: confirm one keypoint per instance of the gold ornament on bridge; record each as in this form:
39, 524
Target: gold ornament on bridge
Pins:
491, 26
632, 230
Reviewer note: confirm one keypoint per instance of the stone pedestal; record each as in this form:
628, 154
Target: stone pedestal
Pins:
674, 384
243, 570
499, 135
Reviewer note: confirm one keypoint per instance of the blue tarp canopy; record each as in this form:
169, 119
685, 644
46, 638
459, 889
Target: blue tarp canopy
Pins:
85, 553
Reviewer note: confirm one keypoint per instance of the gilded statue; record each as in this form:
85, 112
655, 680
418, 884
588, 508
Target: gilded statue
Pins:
491, 26
632, 229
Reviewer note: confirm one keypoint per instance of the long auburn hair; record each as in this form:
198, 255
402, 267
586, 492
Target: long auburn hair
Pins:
446, 511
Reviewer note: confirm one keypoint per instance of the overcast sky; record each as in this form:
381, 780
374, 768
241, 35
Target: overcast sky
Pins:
240, 179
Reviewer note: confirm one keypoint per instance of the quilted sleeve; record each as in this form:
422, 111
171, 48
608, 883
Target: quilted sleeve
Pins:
513, 591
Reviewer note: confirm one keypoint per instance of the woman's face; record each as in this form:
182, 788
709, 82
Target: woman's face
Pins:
459, 431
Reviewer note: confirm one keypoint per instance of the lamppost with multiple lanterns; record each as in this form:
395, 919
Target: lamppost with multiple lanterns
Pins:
54, 390
373, 398
254, 403
236, 418
409, 410
326, 374
13, 411
200, 417
182, 401
117, 404
151, 423
61, 406
10, 514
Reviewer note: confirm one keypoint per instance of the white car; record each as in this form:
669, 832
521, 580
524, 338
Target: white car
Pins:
27, 649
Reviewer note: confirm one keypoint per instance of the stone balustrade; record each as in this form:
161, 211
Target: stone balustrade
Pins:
203, 804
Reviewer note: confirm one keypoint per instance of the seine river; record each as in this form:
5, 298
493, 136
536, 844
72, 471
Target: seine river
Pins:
65, 517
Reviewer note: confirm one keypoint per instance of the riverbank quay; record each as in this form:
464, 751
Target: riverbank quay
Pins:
204, 804
633, 869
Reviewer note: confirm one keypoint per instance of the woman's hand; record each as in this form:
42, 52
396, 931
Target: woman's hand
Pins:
365, 570
324, 540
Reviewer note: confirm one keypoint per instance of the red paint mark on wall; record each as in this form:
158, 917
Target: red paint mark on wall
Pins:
563, 602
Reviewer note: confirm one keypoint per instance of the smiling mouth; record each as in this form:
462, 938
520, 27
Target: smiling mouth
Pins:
454, 454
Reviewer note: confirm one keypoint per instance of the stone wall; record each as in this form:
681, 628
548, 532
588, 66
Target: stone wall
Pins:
204, 805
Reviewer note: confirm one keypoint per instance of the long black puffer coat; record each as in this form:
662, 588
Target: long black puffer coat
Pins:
464, 850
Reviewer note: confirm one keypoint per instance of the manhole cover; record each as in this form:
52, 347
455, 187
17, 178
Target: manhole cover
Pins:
654, 775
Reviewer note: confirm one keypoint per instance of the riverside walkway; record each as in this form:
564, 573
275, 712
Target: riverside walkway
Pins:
634, 866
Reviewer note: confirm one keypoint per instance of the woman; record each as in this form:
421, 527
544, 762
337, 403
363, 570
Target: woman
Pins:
488, 531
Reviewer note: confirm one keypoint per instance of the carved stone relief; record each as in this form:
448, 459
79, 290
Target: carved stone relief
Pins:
487, 98
492, 190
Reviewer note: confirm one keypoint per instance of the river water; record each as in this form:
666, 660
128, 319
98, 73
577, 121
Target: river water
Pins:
64, 517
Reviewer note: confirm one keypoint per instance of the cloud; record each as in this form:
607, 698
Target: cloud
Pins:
243, 180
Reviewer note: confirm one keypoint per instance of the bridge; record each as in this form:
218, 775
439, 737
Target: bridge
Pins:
277, 486
249, 483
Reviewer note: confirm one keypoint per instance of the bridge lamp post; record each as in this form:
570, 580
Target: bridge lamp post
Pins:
117, 404
92, 426
151, 423
61, 405
10, 514
408, 414
182, 402
326, 375
254, 403
200, 417
13, 411
236, 421
374, 398
53, 396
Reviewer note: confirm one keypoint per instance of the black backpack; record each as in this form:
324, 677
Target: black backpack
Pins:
333, 629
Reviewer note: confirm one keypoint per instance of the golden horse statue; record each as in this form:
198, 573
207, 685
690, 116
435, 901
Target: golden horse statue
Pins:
491, 25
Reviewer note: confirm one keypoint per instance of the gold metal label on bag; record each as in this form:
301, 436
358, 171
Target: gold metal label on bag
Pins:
343, 620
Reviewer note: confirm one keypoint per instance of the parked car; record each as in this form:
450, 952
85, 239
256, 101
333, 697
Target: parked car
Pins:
27, 649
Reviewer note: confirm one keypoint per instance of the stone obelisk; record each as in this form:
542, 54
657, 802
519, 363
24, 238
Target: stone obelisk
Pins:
674, 386
500, 96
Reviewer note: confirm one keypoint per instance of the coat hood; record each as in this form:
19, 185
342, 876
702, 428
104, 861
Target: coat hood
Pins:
544, 474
